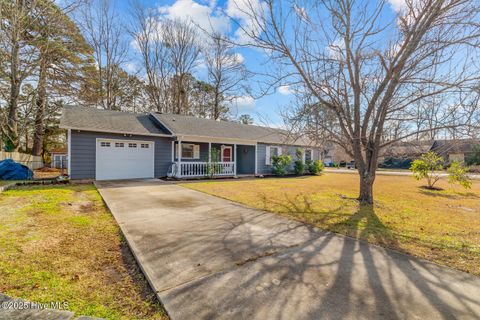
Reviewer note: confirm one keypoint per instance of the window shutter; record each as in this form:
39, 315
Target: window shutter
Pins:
279, 151
304, 152
175, 152
267, 155
196, 151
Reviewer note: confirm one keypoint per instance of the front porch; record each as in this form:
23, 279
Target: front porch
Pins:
200, 159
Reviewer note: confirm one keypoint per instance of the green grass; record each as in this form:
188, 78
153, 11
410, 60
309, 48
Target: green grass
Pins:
5, 182
60, 243
442, 226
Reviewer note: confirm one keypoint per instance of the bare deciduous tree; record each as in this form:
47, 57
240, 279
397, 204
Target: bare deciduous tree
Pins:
169, 50
182, 41
146, 30
104, 31
226, 73
370, 70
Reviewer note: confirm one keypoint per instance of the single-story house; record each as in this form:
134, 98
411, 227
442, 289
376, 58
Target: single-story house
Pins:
59, 158
454, 150
105, 145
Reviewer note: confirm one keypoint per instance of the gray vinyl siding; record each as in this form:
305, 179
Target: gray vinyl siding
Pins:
83, 149
262, 168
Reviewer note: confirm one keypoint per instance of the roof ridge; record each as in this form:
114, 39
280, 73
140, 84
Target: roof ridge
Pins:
105, 110
217, 121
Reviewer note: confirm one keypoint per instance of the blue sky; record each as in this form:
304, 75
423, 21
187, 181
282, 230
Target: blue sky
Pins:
217, 15
265, 109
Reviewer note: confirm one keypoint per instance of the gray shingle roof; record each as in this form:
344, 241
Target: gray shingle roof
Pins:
445, 147
92, 119
193, 126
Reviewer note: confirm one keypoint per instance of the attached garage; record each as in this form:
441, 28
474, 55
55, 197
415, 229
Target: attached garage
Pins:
124, 159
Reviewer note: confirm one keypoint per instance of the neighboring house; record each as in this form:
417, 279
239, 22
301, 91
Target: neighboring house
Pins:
59, 158
335, 154
106, 145
401, 154
454, 150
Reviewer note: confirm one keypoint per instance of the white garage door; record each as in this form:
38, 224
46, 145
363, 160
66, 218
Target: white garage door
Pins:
124, 159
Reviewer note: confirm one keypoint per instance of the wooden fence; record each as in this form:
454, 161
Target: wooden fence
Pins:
33, 162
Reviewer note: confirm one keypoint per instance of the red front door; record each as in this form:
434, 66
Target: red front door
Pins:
227, 154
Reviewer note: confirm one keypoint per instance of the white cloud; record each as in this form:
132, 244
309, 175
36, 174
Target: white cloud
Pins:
243, 102
336, 48
131, 67
241, 10
206, 16
398, 5
284, 90
239, 58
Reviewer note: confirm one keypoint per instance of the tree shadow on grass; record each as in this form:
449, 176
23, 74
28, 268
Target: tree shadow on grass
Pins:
302, 207
441, 194
363, 224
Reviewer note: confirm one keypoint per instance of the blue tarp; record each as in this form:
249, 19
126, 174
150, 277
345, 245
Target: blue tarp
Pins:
11, 170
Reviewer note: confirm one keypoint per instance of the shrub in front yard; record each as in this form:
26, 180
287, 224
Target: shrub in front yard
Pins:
315, 167
280, 164
299, 166
474, 157
426, 167
458, 173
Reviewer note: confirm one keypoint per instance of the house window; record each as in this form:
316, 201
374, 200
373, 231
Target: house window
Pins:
272, 151
104, 144
132, 145
189, 151
308, 155
144, 145
119, 144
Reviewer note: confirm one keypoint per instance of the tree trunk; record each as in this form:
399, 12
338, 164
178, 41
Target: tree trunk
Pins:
12, 123
40, 114
366, 188
216, 109
367, 167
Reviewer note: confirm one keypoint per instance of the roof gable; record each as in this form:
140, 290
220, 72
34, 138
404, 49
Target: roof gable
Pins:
92, 119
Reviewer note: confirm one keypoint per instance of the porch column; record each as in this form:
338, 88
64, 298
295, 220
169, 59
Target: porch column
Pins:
179, 158
256, 171
234, 158
209, 152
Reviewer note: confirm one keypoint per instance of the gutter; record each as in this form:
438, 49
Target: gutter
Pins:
117, 132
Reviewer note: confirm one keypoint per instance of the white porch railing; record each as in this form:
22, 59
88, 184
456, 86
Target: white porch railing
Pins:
203, 169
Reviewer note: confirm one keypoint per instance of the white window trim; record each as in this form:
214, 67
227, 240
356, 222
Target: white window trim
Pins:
305, 154
268, 154
188, 144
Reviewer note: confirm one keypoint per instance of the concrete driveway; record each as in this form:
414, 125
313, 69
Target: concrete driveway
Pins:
209, 258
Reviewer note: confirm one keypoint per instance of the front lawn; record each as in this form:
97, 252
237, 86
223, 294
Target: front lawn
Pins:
441, 226
5, 182
60, 243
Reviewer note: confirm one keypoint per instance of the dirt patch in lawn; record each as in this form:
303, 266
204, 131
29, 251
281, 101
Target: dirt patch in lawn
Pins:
60, 243
439, 225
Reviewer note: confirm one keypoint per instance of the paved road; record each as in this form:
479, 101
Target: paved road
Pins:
209, 258
392, 173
